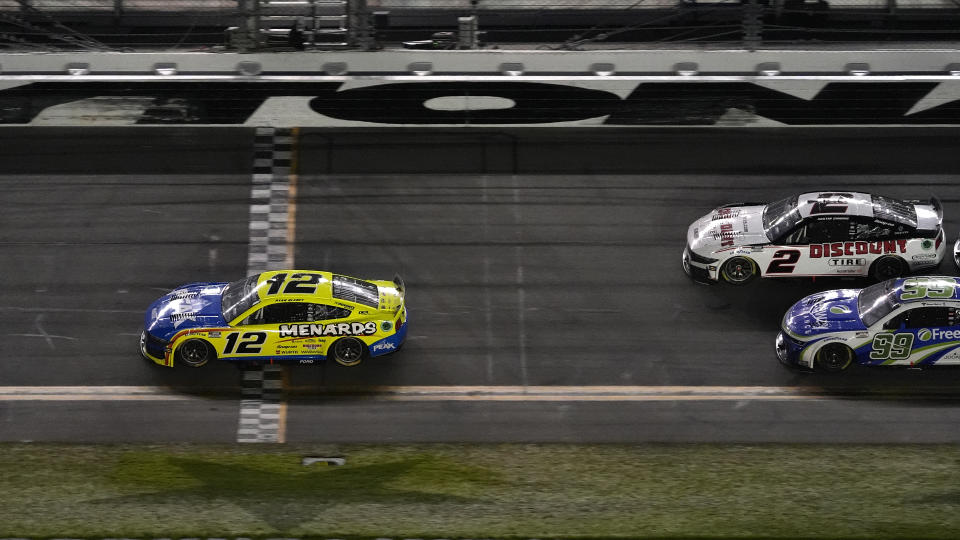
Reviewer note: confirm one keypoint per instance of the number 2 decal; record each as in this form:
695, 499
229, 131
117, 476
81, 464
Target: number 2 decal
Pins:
251, 342
783, 261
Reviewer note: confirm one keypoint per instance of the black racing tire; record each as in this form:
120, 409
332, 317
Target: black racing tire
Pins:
348, 351
195, 353
738, 270
834, 358
887, 267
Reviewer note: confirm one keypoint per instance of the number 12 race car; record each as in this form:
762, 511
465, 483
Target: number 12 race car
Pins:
813, 235
287, 315
912, 321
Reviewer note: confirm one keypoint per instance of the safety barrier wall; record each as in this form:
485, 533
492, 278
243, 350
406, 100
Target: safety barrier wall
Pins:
482, 89
227, 151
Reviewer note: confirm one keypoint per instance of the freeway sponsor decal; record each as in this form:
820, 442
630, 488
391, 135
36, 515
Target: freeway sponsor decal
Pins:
522, 103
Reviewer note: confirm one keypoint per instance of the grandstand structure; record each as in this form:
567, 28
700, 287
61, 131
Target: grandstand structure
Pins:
249, 25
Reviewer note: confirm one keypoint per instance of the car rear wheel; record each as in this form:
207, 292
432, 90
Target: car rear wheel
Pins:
885, 268
195, 353
348, 351
738, 270
834, 357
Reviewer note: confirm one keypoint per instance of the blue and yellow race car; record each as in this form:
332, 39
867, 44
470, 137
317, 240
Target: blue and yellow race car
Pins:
300, 316
910, 322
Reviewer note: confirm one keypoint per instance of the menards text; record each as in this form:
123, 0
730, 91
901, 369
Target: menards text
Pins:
333, 329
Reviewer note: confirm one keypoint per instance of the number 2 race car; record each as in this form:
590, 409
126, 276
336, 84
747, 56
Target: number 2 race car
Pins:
287, 315
912, 321
816, 234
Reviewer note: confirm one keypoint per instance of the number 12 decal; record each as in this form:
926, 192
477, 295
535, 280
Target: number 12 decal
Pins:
251, 344
783, 261
301, 283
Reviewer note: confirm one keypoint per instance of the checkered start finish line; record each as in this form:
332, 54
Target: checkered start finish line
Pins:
262, 410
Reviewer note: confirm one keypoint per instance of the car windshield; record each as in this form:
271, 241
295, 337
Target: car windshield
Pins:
239, 296
780, 217
876, 301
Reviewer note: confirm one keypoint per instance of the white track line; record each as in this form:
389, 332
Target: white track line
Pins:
436, 393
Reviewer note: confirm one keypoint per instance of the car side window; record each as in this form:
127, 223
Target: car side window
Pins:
797, 236
283, 312
926, 317
862, 230
324, 312
828, 230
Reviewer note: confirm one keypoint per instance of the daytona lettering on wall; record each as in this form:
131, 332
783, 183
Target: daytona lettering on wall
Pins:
533, 103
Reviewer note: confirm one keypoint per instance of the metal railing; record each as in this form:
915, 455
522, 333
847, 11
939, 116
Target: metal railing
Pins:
252, 25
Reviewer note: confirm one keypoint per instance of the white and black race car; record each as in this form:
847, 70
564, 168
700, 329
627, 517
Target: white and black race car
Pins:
836, 233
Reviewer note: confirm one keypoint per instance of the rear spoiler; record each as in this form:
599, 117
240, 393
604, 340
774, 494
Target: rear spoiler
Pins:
938, 208
398, 281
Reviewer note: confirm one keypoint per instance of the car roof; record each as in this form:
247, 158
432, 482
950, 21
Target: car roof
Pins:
846, 203
329, 288
323, 290
852, 203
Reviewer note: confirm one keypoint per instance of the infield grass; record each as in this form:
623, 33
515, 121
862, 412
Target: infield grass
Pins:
481, 491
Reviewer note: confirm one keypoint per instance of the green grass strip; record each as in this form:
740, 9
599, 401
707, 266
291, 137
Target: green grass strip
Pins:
481, 491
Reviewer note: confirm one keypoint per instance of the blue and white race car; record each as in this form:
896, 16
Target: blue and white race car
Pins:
908, 321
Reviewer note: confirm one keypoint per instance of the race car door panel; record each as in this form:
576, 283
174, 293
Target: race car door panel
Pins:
918, 336
295, 328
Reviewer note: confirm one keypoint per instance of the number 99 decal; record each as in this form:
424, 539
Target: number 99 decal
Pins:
914, 288
891, 346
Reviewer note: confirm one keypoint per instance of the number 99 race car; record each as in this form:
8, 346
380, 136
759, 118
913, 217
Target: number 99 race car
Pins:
813, 235
297, 316
912, 321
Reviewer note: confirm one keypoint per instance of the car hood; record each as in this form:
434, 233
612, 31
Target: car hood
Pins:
190, 306
830, 311
727, 226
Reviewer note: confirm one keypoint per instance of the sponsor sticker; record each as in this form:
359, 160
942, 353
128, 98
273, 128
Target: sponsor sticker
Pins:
840, 249
937, 334
332, 329
847, 262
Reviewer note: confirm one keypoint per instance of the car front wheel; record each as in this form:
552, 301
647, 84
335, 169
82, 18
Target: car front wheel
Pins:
195, 353
738, 270
834, 357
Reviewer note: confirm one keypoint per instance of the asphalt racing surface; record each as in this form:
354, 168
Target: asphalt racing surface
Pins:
543, 307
